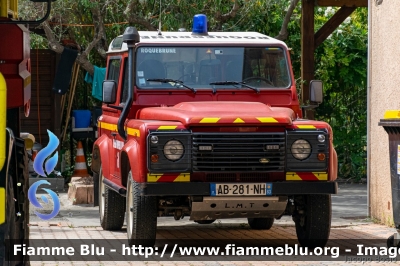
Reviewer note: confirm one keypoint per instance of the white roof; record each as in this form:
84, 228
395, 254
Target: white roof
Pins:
213, 38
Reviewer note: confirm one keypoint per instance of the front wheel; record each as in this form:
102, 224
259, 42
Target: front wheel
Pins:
313, 220
141, 215
111, 206
261, 223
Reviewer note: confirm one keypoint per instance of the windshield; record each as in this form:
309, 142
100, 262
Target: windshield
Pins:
197, 67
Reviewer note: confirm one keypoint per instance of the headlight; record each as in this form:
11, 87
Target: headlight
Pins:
301, 149
173, 150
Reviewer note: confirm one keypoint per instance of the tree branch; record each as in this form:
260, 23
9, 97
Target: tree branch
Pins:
141, 21
51, 38
225, 17
231, 14
99, 29
131, 18
283, 33
55, 46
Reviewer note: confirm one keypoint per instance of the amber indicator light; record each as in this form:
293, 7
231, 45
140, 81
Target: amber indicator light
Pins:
154, 158
321, 156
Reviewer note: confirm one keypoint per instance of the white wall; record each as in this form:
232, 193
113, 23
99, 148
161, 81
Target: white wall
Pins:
384, 95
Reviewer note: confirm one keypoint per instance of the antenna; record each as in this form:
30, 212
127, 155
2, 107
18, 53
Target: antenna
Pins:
159, 21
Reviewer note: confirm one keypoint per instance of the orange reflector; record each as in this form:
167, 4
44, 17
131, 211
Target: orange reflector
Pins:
321, 156
154, 158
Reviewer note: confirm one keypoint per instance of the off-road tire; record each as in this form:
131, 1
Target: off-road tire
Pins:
260, 223
204, 221
141, 215
23, 201
390, 242
9, 229
313, 227
17, 209
111, 207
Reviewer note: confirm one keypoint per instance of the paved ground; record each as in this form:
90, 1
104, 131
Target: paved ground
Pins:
349, 208
82, 222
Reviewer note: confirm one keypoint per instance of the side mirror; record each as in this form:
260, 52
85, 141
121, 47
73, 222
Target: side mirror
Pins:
316, 93
109, 91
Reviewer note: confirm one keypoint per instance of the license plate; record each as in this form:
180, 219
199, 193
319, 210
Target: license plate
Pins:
247, 189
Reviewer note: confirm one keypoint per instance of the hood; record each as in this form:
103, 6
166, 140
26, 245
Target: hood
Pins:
217, 113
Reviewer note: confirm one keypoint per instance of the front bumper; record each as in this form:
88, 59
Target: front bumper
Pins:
204, 189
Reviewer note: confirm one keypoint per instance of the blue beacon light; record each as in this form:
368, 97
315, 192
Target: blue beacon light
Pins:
200, 25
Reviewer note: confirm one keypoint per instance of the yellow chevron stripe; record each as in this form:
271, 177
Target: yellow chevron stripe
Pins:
108, 126
321, 175
166, 127
112, 127
133, 132
2, 205
306, 126
238, 120
153, 177
267, 120
183, 177
209, 120
292, 176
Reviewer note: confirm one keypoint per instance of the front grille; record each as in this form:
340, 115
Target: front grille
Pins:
237, 177
222, 177
238, 152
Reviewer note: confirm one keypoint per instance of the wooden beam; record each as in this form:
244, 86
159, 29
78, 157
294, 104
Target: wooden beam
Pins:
332, 24
348, 3
307, 48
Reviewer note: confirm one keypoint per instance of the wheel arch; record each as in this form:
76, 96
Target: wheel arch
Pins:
101, 147
131, 160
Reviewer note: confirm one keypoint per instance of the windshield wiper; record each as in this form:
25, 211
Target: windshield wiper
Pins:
236, 83
174, 81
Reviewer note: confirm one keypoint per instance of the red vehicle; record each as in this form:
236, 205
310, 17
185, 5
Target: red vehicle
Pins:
208, 125
15, 94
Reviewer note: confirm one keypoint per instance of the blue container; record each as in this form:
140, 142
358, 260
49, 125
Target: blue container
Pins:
82, 118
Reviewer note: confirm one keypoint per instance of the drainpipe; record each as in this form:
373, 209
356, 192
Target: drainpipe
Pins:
368, 108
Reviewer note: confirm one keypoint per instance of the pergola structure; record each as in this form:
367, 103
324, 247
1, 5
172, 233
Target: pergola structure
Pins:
310, 39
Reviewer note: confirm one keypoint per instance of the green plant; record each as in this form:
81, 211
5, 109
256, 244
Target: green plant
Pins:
341, 63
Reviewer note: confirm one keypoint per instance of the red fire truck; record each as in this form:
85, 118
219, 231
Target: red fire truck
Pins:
208, 125
15, 93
